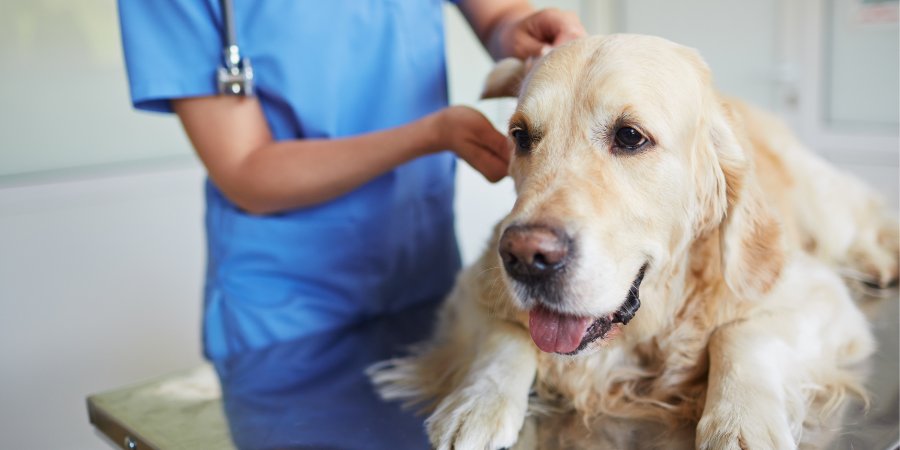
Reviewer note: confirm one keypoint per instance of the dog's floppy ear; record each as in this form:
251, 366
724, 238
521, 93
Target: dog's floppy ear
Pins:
753, 250
505, 79
507, 76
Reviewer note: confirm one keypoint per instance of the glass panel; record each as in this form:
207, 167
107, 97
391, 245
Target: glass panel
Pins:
862, 65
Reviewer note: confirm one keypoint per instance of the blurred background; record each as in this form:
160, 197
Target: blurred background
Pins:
101, 238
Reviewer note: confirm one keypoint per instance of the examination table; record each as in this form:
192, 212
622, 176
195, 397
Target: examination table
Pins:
312, 394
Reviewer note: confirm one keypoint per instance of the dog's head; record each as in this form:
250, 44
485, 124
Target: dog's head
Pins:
624, 156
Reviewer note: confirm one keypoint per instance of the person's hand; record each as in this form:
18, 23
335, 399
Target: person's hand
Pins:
471, 136
534, 34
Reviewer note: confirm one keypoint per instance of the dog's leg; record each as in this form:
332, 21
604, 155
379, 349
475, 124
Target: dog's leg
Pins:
835, 216
488, 409
803, 340
746, 406
847, 222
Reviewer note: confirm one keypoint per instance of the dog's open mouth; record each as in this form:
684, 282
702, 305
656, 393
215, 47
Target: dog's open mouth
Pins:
556, 332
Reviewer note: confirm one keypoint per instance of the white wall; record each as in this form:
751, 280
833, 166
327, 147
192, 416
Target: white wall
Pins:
100, 283
62, 71
863, 65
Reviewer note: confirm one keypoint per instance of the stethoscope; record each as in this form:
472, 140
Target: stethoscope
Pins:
235, 77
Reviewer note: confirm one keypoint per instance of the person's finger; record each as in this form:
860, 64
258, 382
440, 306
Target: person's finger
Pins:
485, 149
488, 136
501, 147
492, 170
570, 28
568, 34
557, 27
495, 142
498, 166
528, 45
487, 163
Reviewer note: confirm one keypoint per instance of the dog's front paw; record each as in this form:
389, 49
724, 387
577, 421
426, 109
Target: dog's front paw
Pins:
478, 417
737, 428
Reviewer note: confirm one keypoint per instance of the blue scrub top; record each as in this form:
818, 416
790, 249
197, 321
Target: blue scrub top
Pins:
323, 69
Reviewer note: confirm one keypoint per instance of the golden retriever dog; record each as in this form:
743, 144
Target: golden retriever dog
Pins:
672, 258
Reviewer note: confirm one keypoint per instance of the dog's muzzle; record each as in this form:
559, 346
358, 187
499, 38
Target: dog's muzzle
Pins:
557, 332
537, 258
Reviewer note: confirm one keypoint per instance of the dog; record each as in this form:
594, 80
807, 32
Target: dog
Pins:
672, 258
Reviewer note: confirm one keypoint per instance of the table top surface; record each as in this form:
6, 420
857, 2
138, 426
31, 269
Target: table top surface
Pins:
313, 393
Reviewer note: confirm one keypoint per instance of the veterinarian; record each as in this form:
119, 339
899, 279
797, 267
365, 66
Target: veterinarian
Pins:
330, 193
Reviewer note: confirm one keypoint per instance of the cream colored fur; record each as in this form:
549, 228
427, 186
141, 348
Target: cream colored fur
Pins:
747, 337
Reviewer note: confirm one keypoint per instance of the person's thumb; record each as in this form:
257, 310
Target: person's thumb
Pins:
529, 47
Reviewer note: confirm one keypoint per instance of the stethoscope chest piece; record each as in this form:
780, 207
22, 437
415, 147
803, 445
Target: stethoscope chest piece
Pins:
236, 76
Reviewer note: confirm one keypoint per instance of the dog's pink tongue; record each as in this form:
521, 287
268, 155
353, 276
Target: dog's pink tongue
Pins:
553, 332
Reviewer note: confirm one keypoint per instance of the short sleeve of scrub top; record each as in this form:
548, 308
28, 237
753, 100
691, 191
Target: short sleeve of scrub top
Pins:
172, 50
323, 69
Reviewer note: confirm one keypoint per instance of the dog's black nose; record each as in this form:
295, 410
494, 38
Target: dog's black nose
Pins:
533, 253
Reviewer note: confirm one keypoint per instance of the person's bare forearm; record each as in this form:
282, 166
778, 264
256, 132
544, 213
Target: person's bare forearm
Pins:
489, 19
296, 173
261, 175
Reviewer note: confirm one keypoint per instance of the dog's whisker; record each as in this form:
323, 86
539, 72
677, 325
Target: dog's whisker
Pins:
489, 269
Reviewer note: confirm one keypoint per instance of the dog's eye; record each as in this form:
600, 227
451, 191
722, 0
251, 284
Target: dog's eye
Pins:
523, 140
629, 139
